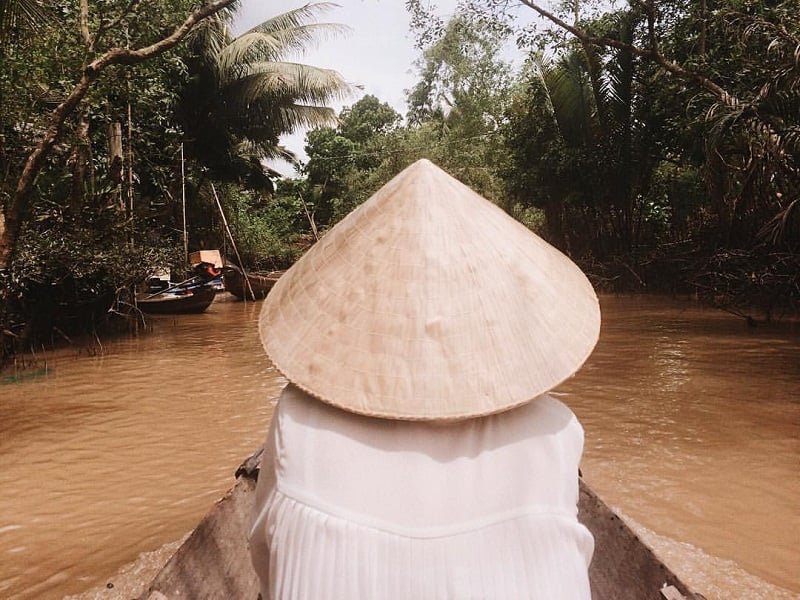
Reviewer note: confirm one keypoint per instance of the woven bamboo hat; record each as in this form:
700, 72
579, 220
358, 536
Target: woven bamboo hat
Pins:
429, 302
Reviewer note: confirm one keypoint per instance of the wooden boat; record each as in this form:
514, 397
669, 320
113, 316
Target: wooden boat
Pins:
182, 301
260, 283
214, 561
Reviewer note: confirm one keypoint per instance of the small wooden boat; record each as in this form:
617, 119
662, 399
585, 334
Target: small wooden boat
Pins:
255, 286
214, 561
181, 301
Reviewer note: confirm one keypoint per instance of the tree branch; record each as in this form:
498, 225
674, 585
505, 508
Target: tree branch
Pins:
133, 5
126, 56
650, 11
649, 53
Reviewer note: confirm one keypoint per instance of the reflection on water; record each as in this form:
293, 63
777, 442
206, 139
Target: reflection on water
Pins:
691, 432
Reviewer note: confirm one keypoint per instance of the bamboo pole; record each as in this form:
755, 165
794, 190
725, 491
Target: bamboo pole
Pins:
309, 217
130, 164
233, 243
183, 201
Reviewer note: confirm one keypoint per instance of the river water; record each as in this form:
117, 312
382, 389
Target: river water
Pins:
692, 427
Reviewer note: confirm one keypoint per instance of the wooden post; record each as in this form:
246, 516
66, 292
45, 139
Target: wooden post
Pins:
115, 160
183, 205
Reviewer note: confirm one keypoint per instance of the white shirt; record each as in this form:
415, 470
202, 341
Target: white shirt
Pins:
351, 507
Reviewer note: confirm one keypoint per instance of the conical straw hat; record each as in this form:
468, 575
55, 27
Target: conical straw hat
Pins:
429, 302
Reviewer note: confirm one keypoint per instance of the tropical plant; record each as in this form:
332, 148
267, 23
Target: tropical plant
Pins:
18, 16
738, 69
753, 146
580, 135
342, 159
99, 53
243, 94
455, 115
460, 99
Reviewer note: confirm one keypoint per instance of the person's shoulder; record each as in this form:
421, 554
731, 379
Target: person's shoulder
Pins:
307, 412
552, 403
295, 404
549, 407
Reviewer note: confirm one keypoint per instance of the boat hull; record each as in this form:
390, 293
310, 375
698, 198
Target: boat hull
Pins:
214, 561
259, 283
196, 302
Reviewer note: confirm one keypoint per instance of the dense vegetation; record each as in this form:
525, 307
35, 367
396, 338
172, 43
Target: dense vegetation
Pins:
104, 133
656, 144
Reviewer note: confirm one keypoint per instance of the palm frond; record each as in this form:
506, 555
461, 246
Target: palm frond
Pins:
294, 18
570, 96
260, 124
259, 46
298, 116
617, 91
210, 37
304, 83
22, 14
248, 90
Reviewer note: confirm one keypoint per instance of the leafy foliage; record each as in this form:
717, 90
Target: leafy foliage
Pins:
343, 161
105, 208
660, 147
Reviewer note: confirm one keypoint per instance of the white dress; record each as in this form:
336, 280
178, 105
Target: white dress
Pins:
357, 508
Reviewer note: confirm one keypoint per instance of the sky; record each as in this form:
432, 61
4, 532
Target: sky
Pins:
378, 53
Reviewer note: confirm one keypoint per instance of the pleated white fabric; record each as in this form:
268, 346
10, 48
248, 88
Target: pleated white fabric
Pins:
358, 508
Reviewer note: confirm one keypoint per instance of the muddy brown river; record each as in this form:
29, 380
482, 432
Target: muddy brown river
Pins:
692, 426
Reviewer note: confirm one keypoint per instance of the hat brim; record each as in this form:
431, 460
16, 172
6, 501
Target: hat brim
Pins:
428, 302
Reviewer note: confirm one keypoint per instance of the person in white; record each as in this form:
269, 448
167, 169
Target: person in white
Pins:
415, 453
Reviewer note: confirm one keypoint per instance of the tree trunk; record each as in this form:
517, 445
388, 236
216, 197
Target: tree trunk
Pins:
18, 207
115, 161
80, 162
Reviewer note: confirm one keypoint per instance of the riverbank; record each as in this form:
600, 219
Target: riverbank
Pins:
33, 361
18, 359
756, 286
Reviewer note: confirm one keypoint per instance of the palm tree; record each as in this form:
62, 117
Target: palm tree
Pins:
598, 138
243, 95
17, 15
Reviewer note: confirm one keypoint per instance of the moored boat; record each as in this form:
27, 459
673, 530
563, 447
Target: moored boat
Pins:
252, 286
214, 561
180, 301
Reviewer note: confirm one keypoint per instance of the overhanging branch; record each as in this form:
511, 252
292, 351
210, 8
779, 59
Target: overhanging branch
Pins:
651, 53
12, 219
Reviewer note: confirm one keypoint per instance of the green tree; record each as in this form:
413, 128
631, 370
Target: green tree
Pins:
461, 97
455, 115
95, 29
18, 16
342, 160
739, 72
582, 136
752, 147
